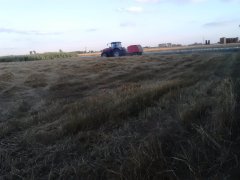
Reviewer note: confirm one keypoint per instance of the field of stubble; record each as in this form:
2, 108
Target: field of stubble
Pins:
148, 117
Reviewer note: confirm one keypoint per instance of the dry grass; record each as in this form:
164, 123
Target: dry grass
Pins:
148, 117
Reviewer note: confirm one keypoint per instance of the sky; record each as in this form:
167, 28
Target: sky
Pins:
78, 25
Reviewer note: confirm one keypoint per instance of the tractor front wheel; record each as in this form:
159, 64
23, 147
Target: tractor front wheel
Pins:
103, 55
116, 53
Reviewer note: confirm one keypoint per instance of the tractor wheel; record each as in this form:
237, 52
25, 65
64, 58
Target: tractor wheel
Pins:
116, 53
103, 55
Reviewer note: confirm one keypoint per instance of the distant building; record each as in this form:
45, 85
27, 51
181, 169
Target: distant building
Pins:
195, 44
207, 42
224, 40
176, 45
164, 45
167, 45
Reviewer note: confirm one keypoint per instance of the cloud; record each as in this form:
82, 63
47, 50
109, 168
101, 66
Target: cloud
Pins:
128, 24
23, 32
230, 0
181, 1
218, 23
148, 1
215, 24
91, 30
134, 9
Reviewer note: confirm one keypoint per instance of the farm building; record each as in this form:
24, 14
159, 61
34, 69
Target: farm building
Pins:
224, 40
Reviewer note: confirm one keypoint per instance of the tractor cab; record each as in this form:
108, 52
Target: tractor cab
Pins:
116, 45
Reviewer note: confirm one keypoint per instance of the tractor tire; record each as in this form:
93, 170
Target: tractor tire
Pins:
116, 53
103, 55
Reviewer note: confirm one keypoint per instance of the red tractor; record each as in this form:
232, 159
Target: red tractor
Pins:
116, 50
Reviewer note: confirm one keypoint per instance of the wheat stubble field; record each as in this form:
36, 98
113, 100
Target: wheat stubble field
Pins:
148, 117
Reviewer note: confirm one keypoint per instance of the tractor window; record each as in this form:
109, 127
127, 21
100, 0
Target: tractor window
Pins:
116, 45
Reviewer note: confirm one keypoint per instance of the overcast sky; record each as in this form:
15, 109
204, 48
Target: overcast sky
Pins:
50, 25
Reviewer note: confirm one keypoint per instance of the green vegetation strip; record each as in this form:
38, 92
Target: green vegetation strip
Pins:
35, 57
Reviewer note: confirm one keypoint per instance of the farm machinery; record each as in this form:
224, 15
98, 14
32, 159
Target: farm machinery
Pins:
116, 50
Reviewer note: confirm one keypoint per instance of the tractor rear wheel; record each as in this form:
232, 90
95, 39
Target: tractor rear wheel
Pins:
103, 55
116, 53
